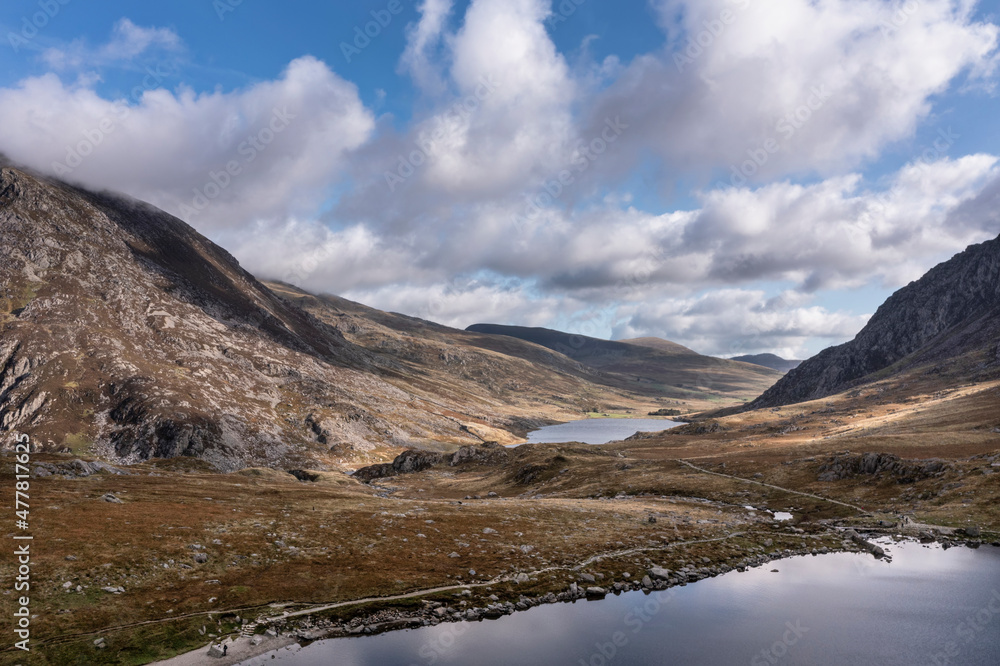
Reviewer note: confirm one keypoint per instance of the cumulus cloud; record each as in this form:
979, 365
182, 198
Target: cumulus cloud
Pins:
497, 200
218, 159
127, 42
422, 39
732, 322
756, 90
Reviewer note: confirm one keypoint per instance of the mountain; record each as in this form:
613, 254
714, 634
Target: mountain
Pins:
948, 321
125, 333
648, 365
772, 361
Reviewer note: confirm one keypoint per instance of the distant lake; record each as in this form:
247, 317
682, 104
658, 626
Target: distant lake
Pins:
597, 431
927, 607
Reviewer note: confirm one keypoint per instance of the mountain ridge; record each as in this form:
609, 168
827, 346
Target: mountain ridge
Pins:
772, 361
952, 312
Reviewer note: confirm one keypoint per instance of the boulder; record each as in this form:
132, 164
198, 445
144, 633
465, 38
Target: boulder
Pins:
659, 573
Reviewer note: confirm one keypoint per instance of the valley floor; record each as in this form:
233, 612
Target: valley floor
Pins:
188, 556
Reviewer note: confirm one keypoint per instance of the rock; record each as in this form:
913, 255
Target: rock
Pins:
200, 558
453, 554
490, 453
596, 592
110, 497
407, 462
972, 531
71, 558
489, 530
647, 582
587, 578
304, 476
659, 573
492, 494
521, 578
925, 315
440, 612
215, 651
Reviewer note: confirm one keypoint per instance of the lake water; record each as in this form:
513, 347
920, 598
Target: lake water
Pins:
597, 431
927, 607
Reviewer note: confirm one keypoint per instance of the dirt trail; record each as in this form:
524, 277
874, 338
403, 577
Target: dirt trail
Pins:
769, 485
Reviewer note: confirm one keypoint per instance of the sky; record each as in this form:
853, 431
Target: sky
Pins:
738, 176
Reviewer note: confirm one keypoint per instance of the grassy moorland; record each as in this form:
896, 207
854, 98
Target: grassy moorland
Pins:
271, 543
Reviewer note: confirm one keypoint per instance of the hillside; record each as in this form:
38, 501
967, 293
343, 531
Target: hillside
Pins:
772, 361
126, 334
948, 321
650, 364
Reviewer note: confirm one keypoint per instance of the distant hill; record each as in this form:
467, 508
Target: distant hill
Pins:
651, 364
127, 334
948, 320
772, 361
662, 345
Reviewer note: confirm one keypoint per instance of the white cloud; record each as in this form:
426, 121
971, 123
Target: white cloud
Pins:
288, 139
421, 41
502, 114
127, 42
789, 86
732, 322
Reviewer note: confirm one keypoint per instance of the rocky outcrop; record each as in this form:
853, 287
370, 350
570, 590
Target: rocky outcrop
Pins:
407, 462
880, 466
952, 310
489, 453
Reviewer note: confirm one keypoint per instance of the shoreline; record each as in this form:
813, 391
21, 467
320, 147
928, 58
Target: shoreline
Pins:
307, 630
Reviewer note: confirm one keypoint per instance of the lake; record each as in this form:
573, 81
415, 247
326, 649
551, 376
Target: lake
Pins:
927, 607
597, 431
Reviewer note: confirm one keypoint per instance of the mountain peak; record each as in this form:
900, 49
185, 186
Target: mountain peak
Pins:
951, 311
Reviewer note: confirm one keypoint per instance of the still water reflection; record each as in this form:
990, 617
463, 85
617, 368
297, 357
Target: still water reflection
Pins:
927, 607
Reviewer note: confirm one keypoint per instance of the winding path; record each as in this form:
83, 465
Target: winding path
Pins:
768, 485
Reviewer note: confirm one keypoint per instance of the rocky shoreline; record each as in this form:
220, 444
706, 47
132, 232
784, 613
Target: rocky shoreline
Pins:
587, 586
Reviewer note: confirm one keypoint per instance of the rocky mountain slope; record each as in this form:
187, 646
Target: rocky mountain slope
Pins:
125, 333
649, 364
948, 320
772, 361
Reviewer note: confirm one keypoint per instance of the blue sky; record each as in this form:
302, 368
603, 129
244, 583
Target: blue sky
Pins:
419, 172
